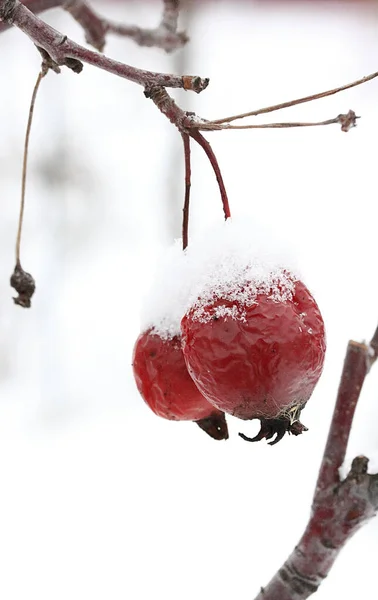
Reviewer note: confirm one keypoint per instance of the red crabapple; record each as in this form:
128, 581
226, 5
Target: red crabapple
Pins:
257, 351
166, 386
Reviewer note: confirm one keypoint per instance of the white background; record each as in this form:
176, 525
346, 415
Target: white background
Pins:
99, 498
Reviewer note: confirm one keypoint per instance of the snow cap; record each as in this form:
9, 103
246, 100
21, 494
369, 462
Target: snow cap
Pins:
234, 260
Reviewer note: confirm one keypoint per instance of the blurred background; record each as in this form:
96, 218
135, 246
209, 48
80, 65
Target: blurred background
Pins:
99, 497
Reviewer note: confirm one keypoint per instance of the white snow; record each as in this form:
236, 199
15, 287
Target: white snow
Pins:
233, 260
100, 498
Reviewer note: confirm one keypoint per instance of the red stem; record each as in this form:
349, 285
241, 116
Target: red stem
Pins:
196, 135
185, 217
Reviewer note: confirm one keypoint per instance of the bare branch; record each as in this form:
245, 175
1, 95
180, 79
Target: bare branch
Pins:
63, 50
95, 27
164, 36
274, 107
339, 508
170, 15
347, 121
35, 6
178, 117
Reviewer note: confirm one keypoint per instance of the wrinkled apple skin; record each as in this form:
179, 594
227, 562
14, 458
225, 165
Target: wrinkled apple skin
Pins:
262, 366
165, 385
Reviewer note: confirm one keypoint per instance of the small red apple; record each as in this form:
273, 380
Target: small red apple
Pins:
165, 385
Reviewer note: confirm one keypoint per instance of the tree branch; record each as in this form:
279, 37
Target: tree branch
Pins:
274, 107
35, 6
164, 36
62, 50
339, 508
347, 121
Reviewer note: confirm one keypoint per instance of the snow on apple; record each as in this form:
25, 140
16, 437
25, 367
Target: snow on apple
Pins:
253, 336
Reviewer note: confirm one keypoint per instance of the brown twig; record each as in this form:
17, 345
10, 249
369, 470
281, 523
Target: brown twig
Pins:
95, 27
41, 74
20, 280
339, 508
185, 212
268, 109
62, 50
164, 36
347, 121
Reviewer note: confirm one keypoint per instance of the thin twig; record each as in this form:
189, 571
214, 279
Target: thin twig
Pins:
289, 103
198, 137
185, 212
170, 15
25, 164
285, 125
164, 36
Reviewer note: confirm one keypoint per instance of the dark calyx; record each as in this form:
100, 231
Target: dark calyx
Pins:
215, 426
24, 285
276, 427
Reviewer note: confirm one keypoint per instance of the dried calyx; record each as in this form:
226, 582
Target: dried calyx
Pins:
276, 427
24, 285
215, 426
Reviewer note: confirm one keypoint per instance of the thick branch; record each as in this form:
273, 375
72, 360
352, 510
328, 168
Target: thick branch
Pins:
339, 508
62, 50
36, 6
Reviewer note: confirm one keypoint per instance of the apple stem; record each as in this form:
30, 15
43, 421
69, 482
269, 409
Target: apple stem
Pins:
25, 165
185, 212
196, 135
